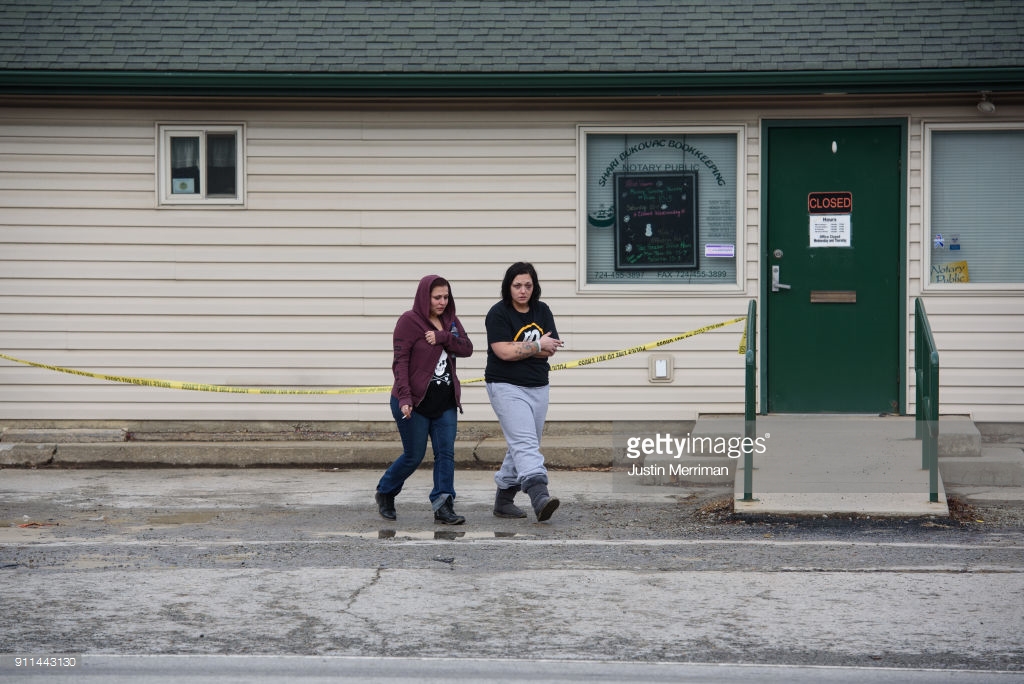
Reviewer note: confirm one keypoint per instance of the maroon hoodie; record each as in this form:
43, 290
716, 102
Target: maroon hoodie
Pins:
415, 358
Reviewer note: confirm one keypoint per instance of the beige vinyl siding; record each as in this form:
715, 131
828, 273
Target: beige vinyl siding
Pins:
299, 289
344, 212
981, 354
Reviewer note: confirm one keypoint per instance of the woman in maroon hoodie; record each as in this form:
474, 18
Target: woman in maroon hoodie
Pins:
425, 396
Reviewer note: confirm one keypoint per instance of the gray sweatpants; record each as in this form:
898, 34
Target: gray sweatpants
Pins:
521, 412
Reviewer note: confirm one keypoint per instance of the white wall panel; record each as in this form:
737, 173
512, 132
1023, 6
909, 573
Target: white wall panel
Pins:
344, 212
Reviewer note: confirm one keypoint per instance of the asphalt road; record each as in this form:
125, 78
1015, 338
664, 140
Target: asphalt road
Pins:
359, 670
266, 566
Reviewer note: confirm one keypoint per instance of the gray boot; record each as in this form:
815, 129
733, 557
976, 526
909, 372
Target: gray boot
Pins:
543, 503
503, 503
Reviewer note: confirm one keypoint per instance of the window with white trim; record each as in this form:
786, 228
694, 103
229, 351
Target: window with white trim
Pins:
660, 209
201, 165
975, 206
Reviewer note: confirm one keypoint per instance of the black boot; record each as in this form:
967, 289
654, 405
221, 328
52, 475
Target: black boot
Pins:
503, 503
543, 503
386, 505
445, 514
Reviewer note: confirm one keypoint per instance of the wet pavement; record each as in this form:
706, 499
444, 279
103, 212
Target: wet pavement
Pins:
297, 562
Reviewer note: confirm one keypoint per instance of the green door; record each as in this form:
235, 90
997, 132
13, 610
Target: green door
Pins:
833, 240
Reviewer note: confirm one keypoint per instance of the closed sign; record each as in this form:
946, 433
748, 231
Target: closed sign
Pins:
829, 202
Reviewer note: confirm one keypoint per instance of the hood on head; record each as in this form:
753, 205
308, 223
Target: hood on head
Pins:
422, 304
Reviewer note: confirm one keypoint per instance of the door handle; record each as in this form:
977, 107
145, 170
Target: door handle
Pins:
776, 285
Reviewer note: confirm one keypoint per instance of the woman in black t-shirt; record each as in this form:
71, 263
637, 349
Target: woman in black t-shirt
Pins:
521, 337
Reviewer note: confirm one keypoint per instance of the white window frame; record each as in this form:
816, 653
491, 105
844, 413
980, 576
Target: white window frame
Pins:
166, 131
926, 211
656, 289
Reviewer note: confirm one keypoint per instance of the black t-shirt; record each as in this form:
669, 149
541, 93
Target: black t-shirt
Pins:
440, 394
505, 324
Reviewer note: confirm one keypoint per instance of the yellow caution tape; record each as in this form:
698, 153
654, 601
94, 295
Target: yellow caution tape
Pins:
374, 389
199, 387
646, 347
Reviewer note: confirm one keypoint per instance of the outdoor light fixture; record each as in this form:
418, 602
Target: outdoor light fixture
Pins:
986, 106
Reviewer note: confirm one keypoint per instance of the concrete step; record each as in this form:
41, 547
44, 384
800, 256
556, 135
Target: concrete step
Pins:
964, 458
999, 466
959, 437
845, 464
802, 464
562, 451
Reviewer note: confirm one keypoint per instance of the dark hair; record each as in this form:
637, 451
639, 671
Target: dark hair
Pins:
517, 269
440, 282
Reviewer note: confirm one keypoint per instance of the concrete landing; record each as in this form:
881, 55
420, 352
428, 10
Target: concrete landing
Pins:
833, 464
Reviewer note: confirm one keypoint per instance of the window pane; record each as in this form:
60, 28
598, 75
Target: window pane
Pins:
977, 207
220, 164
691, 202
185, 166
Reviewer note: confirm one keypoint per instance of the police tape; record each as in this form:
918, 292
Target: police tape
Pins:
374, 389
196, 386
646, 347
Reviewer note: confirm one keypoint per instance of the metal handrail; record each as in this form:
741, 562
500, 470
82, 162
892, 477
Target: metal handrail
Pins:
750, 400
926, 414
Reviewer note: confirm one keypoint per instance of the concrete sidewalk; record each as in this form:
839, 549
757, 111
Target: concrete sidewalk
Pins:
278, 444
814, 464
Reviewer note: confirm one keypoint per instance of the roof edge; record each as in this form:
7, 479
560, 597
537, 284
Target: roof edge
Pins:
565, 84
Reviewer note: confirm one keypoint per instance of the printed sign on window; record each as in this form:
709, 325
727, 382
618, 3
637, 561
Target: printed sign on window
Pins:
953, 272
830, 231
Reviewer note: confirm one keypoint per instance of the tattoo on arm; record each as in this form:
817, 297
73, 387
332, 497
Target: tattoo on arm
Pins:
525, 350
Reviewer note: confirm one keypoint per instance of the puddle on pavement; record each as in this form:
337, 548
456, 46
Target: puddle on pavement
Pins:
445, 535
185, 518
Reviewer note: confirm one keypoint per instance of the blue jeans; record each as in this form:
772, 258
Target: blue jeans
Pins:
414, 431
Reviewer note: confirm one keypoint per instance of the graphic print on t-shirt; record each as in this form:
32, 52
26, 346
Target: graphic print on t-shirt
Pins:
441, 374
528, 333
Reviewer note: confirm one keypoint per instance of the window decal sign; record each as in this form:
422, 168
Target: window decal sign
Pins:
720, 251
953, 272
654, 201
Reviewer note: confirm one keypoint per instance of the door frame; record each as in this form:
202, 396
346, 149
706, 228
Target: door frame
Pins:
764, 270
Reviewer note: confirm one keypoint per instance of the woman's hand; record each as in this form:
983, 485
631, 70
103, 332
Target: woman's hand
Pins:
545, 347
549, 345
430, 337
406, 411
